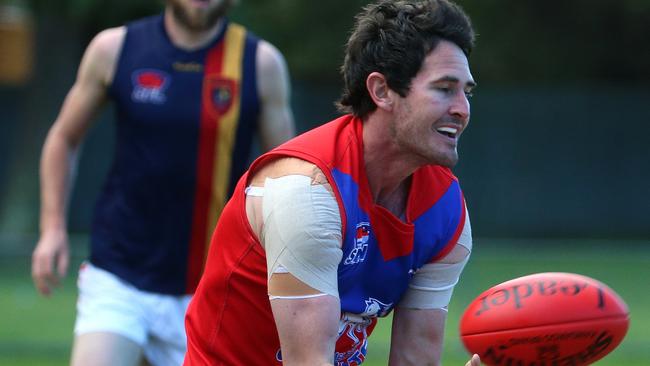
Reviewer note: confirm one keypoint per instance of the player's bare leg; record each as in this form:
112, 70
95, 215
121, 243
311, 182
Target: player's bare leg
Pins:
105, 349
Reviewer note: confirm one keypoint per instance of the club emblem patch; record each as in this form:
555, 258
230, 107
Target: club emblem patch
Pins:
149, 86
360, 250
375, 307
219, 94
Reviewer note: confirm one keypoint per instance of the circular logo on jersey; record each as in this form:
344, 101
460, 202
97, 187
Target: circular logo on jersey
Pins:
219, 94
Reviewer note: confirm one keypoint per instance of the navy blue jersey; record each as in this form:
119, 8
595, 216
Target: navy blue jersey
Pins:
185, 120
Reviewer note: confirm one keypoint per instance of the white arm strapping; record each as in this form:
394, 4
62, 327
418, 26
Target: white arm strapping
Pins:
302, 231
433, 284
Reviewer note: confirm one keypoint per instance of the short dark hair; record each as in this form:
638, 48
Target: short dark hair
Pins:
393, 38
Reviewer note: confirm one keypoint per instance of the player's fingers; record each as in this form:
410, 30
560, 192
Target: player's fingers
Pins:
62, 264
42, 283
41, 280
474, 361
42, 273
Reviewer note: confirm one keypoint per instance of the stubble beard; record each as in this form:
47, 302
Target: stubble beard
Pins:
449, 161
199, 24
432, 153
420, 144
443, 154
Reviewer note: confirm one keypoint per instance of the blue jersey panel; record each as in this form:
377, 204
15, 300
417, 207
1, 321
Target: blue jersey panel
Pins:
370, 284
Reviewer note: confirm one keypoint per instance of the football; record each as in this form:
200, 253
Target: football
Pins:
545, 319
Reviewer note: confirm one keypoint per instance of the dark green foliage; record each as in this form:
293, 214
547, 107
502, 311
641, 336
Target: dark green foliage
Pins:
519, 41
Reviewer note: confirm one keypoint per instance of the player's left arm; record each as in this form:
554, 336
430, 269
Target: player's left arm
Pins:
419, 318
276, 123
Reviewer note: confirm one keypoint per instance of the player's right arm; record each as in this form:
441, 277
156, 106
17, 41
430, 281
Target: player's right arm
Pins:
59, 155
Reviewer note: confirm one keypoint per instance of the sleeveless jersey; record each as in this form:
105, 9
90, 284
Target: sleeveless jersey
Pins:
185, 121
229, 321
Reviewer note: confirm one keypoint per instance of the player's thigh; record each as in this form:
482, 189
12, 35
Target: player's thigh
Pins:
105, 349
167, 343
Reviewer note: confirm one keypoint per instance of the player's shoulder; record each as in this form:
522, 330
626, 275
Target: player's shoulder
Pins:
101, 54
269, 57
108, 42
282, 166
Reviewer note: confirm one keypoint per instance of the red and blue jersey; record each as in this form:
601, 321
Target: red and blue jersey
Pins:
381, 253
184, 127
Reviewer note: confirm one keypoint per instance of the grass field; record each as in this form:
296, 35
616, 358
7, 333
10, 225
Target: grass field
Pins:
38, 331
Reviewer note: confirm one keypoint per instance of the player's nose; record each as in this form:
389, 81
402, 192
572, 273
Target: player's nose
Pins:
460, 107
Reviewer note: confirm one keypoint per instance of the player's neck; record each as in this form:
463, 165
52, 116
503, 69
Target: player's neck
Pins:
394, 200
188, 39
387, 167
389, 181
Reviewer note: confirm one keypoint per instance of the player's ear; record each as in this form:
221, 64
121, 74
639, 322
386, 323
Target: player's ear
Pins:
379, 91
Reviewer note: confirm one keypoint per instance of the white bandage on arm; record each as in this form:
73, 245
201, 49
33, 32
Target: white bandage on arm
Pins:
433, 284
302, 231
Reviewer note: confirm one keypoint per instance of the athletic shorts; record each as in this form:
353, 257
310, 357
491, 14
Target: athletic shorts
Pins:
156, 322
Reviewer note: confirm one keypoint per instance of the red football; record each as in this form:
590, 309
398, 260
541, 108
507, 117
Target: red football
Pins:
545, 319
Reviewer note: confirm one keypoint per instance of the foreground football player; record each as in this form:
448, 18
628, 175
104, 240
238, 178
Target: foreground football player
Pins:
354, 219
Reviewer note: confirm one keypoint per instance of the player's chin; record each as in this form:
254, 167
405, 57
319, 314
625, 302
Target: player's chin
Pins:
448, 159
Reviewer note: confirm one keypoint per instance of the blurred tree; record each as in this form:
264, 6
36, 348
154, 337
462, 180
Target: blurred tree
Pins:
518, 42
567, 42
312, 35
92, 16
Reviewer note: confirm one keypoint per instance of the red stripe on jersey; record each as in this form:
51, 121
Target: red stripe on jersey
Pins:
204, 174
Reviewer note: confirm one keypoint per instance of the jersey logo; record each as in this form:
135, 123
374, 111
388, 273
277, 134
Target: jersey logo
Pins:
149, 86
220, 94
358, 253
376, 308
352, 343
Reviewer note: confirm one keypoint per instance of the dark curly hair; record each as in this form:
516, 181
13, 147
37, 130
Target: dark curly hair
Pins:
393, 38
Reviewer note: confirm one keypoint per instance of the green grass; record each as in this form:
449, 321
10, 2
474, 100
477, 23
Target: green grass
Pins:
33, 330
38, 331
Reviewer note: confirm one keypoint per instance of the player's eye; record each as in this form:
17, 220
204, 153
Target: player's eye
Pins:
445, 89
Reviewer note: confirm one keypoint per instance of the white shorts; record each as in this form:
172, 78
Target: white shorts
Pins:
156, 322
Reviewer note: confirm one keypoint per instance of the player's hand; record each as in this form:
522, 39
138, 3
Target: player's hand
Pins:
474, 361
51, 250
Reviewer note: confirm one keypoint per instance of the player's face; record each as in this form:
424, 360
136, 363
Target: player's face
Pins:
431, 118
199, 15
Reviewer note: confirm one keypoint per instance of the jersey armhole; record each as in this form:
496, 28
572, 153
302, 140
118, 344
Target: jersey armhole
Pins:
454, 239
